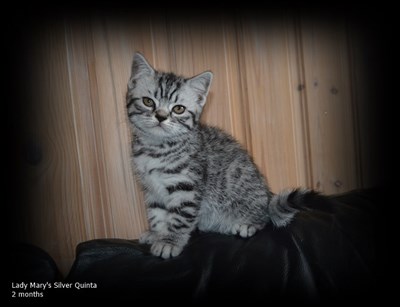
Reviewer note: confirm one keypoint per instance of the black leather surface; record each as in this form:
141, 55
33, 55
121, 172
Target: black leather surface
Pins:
329, 253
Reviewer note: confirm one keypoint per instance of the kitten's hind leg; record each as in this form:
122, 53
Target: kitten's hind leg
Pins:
246, 230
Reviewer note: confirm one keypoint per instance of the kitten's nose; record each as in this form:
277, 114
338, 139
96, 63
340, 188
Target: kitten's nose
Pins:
161, 115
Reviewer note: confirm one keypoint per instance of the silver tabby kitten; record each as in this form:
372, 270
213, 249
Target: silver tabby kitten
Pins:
193, 175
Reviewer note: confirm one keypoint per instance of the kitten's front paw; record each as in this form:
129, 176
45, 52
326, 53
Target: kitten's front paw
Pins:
243, 230
148, 237
165, 250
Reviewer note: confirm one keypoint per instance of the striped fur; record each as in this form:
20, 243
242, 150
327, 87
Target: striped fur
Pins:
194, 175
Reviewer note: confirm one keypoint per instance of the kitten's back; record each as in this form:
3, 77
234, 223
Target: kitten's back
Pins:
234, 187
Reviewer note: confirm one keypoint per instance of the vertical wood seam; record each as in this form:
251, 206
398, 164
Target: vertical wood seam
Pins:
230, 104
67, 47
74, 119
99, 147
153, 51
103, 145
308, 163
117, 122
300, 165
244, 96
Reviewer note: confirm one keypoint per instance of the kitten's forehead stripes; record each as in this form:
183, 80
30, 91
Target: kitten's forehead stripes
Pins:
177, 87
168, 86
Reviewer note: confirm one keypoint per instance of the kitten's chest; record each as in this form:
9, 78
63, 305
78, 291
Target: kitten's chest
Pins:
154, 159
146, 165
157, 169
148, 171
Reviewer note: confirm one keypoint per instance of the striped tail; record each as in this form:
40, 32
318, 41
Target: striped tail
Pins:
284, 206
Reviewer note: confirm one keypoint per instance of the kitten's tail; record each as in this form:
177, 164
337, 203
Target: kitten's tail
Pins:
284, 206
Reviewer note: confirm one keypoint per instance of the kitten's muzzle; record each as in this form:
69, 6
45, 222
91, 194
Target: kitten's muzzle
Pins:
161, 115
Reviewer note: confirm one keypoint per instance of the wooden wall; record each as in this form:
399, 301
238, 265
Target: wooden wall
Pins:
288, 88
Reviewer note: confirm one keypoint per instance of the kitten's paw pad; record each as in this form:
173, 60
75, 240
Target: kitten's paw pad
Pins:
244, 231
148, 237
165, 250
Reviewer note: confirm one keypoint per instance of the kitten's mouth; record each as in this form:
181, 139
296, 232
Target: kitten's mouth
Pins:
160, 125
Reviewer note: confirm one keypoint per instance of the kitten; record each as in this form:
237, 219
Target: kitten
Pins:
194, 175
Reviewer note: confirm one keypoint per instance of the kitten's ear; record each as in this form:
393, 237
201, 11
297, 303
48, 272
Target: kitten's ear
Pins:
140, 66
201, 84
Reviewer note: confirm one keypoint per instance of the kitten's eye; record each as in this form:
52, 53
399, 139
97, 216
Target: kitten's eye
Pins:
148, 102
178, 109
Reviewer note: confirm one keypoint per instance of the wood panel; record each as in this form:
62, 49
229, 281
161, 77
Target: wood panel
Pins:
53, 209
329, 104
200, 45
269, 74
287, 89
111, 125
83, 87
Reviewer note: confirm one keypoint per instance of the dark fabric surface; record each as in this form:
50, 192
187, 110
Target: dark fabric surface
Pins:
28, 263
329, 253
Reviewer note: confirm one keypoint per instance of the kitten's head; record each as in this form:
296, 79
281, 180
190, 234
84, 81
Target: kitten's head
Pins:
163, 105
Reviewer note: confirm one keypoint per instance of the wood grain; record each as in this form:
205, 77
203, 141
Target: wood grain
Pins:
54, 210
288, 89
200, 46
330, 112
267, 75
